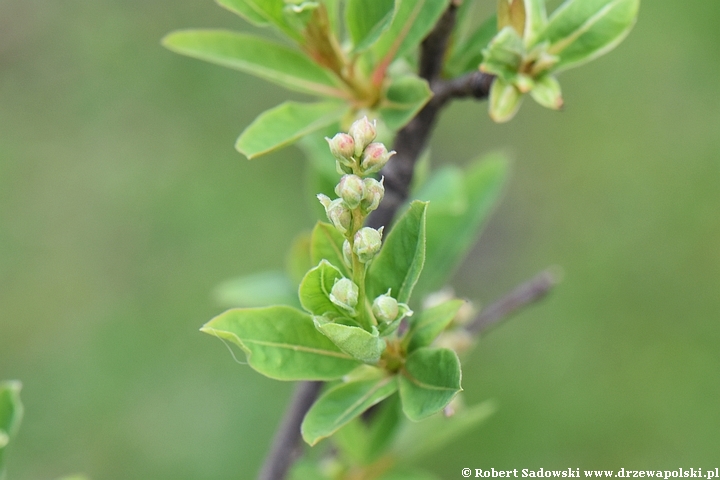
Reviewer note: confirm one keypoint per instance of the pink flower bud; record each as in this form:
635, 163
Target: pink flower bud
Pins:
363, 132
375, 157
342, 146
351, 189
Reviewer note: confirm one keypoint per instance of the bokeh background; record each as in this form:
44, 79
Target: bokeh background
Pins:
123, 203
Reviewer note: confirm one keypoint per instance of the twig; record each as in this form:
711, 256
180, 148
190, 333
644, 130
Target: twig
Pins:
409, 143
521, 296
286, 446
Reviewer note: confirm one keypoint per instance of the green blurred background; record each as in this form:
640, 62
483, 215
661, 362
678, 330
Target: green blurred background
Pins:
123, 203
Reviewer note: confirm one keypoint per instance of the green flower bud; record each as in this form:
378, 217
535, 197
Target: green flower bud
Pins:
337, 212
342, 146
344, 294
363, 132
367, 243
374, 193
347, 253
351, 189
375, 157
385, 308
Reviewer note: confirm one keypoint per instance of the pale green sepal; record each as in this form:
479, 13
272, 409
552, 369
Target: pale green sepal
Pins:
342, 403
535, 20
547, 92
286, 123
399, 263
429, 380
582, 30
504, 55
416, 440
326, 243
404, 97
11, 413
315, 290
282, 343
505, 100
428, 324
254, 55
257, 290
362, 345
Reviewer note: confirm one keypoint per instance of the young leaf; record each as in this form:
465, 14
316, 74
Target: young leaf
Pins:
11, 412
580, 31
257, 290
467, 56
404, 97
399, 263
431, 322
415, 440
326, 243
451, 234
284, 124
365, 21
430, 379
342, 403
505, 100
272, 11
353, 340
412, 21
268, 60
246, 11
282, 343
315, 290
535, 20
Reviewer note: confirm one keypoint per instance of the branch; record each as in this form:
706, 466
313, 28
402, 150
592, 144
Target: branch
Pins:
520, 297
286, 444
409, 143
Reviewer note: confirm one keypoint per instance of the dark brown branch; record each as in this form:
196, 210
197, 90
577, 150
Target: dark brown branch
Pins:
286, 444
521, 296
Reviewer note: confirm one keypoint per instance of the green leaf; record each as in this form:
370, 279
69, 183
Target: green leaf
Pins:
268, 60
546, 92
342, 403
401, 259
451, 233
353, 340
315, 290
246, 11
505, 100
11, 412
271, 11
286, 123
430, 379
384, 426
535, 20
412, 21
467, 56
582, 30
326, 243
404, 97
365, 21
418, 439
282, 343
428, 325
257, 290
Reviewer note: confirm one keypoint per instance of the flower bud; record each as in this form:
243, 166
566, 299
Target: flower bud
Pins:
367, 243
342, 146
337, 212
374, 193
347, 253
363, 132
385, 308
351, 189
375, 157
344, 294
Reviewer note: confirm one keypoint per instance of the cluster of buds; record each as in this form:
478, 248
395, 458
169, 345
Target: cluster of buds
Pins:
357, 156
